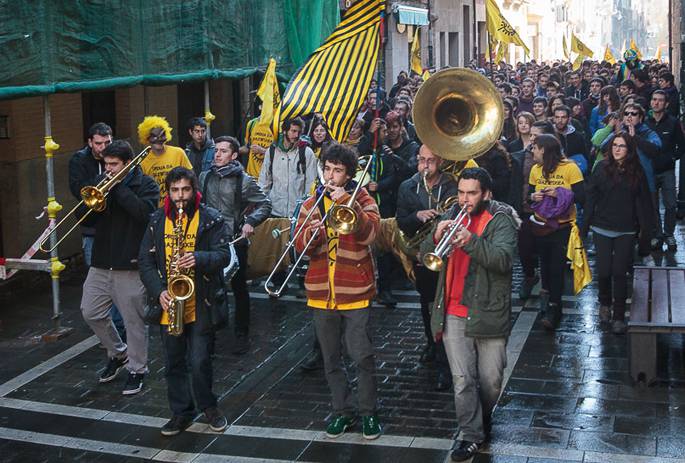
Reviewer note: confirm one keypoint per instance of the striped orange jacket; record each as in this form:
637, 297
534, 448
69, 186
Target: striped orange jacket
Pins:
354, 278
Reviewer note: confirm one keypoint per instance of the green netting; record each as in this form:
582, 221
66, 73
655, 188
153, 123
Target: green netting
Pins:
49, 46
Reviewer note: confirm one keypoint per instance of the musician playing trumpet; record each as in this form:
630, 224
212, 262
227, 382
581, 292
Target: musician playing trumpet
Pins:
422, 195
340, 284
205, 253
472, 308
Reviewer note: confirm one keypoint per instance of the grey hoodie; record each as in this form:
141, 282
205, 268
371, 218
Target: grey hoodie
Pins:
218, 187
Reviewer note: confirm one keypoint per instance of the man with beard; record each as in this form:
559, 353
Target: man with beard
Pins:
527, 96
227, 188
422, 195
200, 150
156, 132
188, 355
472, 308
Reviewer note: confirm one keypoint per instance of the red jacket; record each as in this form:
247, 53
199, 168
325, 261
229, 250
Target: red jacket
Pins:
354, 278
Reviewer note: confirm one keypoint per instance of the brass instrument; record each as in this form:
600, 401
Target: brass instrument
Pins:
277, 292
342, 217
434, 260
94, 198
410, 246
180, 286
458, 114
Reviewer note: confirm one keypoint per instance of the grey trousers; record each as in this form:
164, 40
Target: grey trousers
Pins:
665, 188
477, 366
332, 327
123, 288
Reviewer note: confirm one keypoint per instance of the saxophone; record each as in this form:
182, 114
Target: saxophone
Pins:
180, 286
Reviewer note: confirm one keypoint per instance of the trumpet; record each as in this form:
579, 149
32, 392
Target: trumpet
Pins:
94, 198
291, 244
434, 260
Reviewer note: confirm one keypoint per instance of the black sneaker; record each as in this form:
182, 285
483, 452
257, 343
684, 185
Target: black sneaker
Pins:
134, 383
242, 345
216, 420
428, 354
464, 451
114, 366
176, 425
386, 298
314, 361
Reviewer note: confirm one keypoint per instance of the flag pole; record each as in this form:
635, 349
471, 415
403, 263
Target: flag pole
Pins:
376, 115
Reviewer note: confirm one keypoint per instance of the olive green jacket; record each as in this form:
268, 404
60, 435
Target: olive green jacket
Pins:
487, 289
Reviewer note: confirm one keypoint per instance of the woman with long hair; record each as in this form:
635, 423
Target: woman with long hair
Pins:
524, 121
320, 135
509, 127
554, 103
618, 207
555, 185
609, 102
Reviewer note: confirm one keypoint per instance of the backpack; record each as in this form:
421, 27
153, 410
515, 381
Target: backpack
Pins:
301, 162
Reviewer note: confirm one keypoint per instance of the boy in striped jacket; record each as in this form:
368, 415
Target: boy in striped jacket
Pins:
340, 285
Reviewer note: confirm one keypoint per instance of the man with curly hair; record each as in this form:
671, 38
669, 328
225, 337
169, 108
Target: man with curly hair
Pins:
156, 132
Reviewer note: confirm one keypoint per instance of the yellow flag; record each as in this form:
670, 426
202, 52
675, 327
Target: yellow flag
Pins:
579, 47
575, 252
565, 46
269, 94
499, 28
657, 55
416, 54
501, 49
634, 47
608, 56
578, 62
426, 74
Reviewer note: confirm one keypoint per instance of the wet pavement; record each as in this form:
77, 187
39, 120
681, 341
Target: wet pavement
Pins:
568, 395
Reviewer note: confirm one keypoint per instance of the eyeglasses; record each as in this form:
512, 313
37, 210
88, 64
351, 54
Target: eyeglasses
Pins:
631, 113
619, 145
427, 161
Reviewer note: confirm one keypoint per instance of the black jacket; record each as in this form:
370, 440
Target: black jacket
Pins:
412, 198
670, 132
408, 151
83, 170
120, 227
617, 206
390, 171
212, 254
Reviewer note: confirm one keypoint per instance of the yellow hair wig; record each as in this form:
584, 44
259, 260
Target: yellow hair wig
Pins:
149, 123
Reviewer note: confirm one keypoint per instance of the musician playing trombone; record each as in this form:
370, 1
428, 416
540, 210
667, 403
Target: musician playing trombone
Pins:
113, 274
206, 251
340, 284
472, 308
227, 188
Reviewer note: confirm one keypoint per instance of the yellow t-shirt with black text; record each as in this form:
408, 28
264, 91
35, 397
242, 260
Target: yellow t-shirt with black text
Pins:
190, 236
158, 166
332, 238
565, 175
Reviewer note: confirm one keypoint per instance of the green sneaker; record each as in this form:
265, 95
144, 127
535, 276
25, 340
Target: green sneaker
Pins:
339, 425
371, 428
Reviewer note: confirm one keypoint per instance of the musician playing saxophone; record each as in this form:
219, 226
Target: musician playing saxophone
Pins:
422, 195
205, 253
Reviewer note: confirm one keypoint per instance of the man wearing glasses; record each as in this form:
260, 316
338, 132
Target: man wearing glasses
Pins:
419, 205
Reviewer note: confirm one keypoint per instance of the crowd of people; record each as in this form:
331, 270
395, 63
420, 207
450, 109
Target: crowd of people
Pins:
587, 151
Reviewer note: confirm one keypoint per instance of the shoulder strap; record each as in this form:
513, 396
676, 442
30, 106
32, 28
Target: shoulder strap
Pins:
272, 151
302, 162
237, 202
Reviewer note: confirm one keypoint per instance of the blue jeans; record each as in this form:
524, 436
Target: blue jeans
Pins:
192, 351
665, 187
87, 246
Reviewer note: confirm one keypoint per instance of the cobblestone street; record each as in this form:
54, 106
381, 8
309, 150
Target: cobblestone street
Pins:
568, 395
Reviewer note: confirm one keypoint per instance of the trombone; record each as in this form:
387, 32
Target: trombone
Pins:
342, 217
291, 244
94, 198
434, 260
